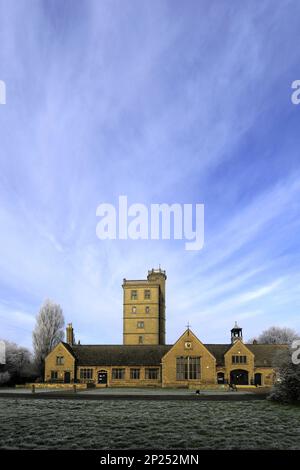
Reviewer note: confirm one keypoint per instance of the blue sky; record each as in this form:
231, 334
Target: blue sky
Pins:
162, 101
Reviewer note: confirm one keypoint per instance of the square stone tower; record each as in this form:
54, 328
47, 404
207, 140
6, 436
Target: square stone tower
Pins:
144, 309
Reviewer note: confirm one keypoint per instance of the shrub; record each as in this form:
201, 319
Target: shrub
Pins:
4, 378
287, 389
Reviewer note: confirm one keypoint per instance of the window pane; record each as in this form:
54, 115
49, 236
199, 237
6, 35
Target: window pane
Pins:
133, 294
86, 374
118, 374
59, 360
188, 368
151, 373
147, 294
135, 374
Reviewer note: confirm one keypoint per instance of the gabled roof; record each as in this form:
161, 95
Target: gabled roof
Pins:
69, 348
151, 355
66, 346
188, 333
263, 353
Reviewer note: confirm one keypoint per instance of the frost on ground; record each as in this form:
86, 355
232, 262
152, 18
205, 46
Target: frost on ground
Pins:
70, 424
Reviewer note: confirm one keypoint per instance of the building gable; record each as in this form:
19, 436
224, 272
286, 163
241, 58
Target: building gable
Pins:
62, 348
188, 348
238, 347
239, 356
60, 360
188, 343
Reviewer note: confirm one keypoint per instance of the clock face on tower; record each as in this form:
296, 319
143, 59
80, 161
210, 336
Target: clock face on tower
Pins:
188, 345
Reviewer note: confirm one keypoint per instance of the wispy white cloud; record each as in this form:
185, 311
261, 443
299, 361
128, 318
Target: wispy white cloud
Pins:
176, 107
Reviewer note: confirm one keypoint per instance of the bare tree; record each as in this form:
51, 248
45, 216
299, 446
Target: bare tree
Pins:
276, 335
48, 332
18, 359
18, 363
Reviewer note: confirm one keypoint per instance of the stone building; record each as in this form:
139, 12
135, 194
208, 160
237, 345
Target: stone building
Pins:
145, 360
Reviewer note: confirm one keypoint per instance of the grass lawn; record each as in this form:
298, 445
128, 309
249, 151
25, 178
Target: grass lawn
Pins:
70, 424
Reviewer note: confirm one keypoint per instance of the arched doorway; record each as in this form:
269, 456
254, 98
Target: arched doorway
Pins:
257, 379
239, 377
102, 377
220, 377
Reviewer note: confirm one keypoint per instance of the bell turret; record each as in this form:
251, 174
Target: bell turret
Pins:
236, 333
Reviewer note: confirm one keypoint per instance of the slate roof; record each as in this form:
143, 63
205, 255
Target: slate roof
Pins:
218, 351
68, 347
151, 355
264, 353
119, 355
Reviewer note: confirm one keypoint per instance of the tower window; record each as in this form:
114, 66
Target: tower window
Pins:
134, 295
140, 324
147, 309
134, 309
147, 294
141, 339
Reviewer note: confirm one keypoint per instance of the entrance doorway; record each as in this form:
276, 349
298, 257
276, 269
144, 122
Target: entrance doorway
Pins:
220, 377
257, 379
239, 377
67, 379
102, 377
